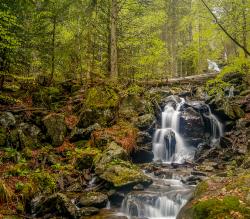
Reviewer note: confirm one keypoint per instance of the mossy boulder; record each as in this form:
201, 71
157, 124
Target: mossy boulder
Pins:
93, 199
145, 121
7, 120
56, 204
113, 151
233, 111
123, 173
113, 166
56, 128
220, 197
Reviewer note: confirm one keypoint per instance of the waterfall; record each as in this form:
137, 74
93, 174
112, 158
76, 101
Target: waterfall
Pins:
155, 205
231, 91
168, 145
213, 66
216, 126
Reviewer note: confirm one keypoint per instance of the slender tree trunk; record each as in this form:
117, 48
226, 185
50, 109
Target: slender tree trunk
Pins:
113, 37
1, 82
244, 27
53, 49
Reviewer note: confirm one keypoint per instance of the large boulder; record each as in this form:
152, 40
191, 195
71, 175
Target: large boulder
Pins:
7, 120
145, 122
112, 152
93, 199
25, 135
191, 124
113, 167
58, 204
56, 128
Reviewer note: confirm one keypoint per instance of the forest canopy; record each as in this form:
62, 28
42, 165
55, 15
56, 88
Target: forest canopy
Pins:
128, 39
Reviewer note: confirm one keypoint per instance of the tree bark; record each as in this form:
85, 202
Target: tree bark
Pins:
225, 31
244, 26
113, 40
53, 50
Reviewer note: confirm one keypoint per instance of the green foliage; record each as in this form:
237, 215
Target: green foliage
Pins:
7, 100
46, 182
215, 208
232, 74
101, 97
135, 90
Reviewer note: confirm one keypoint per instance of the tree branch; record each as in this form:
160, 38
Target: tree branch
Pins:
225, 31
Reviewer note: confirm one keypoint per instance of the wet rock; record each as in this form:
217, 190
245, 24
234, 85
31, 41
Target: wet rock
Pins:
138, 187
143, 154
87, 211
145, 122
191, 124
7, 120
56, 204
93, 199
226, 142
143, 138
56, 128
201, 149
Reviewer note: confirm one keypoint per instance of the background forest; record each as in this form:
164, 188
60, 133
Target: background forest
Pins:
132, 39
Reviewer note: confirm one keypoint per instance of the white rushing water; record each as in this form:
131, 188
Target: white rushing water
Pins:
213, 66
167, 195
168, 144
216, 126
157, 202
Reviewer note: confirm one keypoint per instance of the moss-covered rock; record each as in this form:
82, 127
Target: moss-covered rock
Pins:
93, 199
145, 121
220, 197
123, 173
7, 120
113, 166
56, 128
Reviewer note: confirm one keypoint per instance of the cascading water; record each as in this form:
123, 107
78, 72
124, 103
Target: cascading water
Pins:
216, 126
167, 195
168, 145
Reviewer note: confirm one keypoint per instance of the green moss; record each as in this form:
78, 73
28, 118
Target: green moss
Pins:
7, 100
233, 74
201, 189
46, 182
101, 97
216, 209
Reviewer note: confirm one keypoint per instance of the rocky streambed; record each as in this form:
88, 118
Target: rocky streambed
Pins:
167, 154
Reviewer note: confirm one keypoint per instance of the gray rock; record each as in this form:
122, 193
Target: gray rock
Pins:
57, 204
93, 199
7, 120
56, 128
145, 121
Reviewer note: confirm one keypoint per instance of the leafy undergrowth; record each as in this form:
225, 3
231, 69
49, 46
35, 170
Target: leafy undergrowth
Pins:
223, 197
26, 173
122, 133
235, 74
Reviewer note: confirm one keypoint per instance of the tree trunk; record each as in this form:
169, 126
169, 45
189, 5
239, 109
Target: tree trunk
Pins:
244, 27
53, 49
1, 82
113, 40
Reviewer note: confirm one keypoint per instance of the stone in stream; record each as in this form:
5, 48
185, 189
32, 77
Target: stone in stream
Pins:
93, 199
113, 166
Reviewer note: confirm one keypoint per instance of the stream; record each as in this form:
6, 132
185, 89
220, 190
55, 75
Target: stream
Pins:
169, 170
